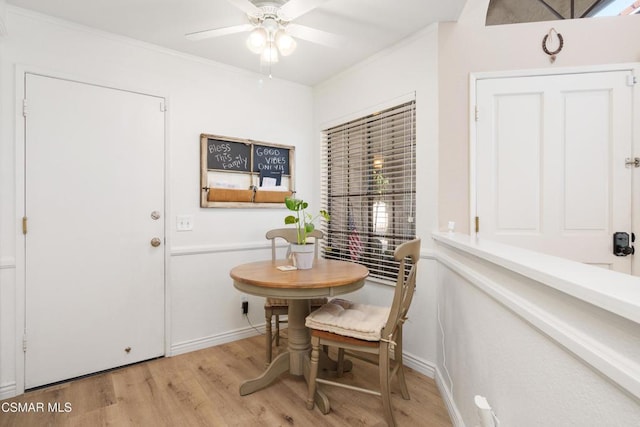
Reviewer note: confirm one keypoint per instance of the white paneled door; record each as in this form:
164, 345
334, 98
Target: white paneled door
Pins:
94, 200
550, 168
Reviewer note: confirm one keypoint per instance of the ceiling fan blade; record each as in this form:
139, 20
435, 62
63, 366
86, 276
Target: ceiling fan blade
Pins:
206, 34
247, 7
294, 8
316, 36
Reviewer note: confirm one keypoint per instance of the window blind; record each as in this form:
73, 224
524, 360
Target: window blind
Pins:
368, 188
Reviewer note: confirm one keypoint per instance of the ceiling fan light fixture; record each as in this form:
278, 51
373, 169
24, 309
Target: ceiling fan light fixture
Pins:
270, 54
270, 25
257, 40
286, 44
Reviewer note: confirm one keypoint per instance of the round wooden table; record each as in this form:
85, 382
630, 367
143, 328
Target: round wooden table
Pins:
327, 278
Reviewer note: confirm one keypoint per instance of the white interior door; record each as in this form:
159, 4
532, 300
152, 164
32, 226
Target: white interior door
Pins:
94, 175
550, 166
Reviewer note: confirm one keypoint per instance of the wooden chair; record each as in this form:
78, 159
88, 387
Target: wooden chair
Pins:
279, 307
339, 323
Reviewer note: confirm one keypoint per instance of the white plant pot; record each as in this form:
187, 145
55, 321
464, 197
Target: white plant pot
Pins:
302, 256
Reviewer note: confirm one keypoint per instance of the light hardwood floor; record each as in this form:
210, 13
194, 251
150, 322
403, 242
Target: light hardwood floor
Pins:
201, 389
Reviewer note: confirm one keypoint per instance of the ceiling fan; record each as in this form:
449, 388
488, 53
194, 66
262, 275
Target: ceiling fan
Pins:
271, 29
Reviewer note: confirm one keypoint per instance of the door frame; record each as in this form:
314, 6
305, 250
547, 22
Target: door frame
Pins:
21, 71
633, 67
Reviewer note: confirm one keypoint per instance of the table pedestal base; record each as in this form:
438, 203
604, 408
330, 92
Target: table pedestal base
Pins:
281, 364
296, 359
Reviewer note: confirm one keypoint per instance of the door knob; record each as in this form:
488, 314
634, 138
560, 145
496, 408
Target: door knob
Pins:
155, 242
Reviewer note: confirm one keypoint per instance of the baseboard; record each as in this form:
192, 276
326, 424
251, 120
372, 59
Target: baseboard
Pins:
422, 366
447, 397
213, 340
8, 390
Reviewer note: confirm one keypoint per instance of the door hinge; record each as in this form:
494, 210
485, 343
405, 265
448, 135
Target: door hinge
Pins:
163, 106
477, 224
24, 225
477, 113
24, 343
631, 80
24, 107
629, 162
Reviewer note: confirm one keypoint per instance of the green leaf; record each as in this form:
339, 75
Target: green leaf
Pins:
309, 228
292, 204
290, 219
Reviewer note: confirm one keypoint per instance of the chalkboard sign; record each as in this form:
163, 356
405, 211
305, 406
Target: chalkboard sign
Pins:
232, 168
228, 155
270, 159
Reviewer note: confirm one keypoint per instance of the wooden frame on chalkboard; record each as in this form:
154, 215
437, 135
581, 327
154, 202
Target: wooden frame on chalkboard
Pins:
240, 173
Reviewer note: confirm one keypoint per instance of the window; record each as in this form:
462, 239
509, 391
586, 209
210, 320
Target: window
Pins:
517, 11
368, 188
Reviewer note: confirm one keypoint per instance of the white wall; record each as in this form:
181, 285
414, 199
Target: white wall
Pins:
203, 97
405, 68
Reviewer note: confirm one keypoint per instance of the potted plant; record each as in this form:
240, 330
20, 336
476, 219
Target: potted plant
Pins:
303, 221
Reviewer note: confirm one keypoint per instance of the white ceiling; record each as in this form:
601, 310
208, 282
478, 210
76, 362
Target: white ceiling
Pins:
368, 25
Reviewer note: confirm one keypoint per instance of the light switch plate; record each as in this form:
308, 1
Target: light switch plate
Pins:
184, 222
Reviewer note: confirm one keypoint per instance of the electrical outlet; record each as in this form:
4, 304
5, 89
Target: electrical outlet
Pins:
245, 307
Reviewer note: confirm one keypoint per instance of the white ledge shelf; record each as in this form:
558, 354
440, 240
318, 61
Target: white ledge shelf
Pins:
612, 291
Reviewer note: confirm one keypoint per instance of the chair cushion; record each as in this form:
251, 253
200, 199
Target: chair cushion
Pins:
349, 319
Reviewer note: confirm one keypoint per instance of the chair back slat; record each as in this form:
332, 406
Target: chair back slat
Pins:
405, 286
290, 235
